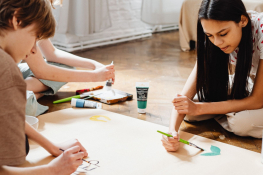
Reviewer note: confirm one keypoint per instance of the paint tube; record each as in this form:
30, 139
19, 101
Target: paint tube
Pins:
80, 103
142, 93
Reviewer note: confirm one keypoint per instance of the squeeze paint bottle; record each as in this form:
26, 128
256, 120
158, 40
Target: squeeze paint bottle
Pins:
142, 94
81, 103
108, 86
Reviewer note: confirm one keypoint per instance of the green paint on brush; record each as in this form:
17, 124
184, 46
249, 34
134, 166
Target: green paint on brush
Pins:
215, 151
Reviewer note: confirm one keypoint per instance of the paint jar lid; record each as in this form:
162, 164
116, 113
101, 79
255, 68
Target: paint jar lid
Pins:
141, 111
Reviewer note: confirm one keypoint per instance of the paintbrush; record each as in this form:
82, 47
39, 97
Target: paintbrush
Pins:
76, 96
182, 141
81, 91
108, 86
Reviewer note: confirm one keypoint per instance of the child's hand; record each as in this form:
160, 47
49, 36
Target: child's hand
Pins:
69, 144
105, 73
184, 105
67, 162
171, 144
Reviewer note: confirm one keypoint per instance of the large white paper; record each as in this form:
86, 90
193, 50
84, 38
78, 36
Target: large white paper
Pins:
128, 146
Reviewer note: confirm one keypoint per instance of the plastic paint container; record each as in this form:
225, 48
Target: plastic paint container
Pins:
80, 103
33, 121
142, 94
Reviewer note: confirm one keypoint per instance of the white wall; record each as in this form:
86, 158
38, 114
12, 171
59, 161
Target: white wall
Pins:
126, 22
125, 17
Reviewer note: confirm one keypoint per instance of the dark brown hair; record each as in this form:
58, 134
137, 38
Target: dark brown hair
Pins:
28, 12
213, 64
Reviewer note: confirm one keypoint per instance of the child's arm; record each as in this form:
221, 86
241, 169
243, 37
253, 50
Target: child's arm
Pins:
55, 55
48, 145
66, 163
254, 101
42, 70
189, 90
40, 170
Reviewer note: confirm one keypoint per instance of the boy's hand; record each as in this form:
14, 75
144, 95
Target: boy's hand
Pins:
67, 162
104, 73
171, 144
69, 144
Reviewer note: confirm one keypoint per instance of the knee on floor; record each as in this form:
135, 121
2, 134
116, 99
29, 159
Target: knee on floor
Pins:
244, 126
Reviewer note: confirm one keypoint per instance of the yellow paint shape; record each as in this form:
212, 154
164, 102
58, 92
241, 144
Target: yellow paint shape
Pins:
95, 118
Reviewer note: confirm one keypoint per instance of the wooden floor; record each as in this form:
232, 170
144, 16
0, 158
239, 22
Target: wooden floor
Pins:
160, 61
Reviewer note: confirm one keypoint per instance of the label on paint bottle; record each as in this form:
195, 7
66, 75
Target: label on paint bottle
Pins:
90, 104
80, 103
142, 93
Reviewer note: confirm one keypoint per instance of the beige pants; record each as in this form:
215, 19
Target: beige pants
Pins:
243, 123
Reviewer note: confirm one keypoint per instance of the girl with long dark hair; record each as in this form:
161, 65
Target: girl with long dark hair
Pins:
227, 35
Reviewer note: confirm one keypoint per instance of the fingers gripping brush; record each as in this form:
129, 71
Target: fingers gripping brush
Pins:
183, 141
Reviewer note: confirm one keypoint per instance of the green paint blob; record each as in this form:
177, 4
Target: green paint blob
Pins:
215, 151
209, 154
